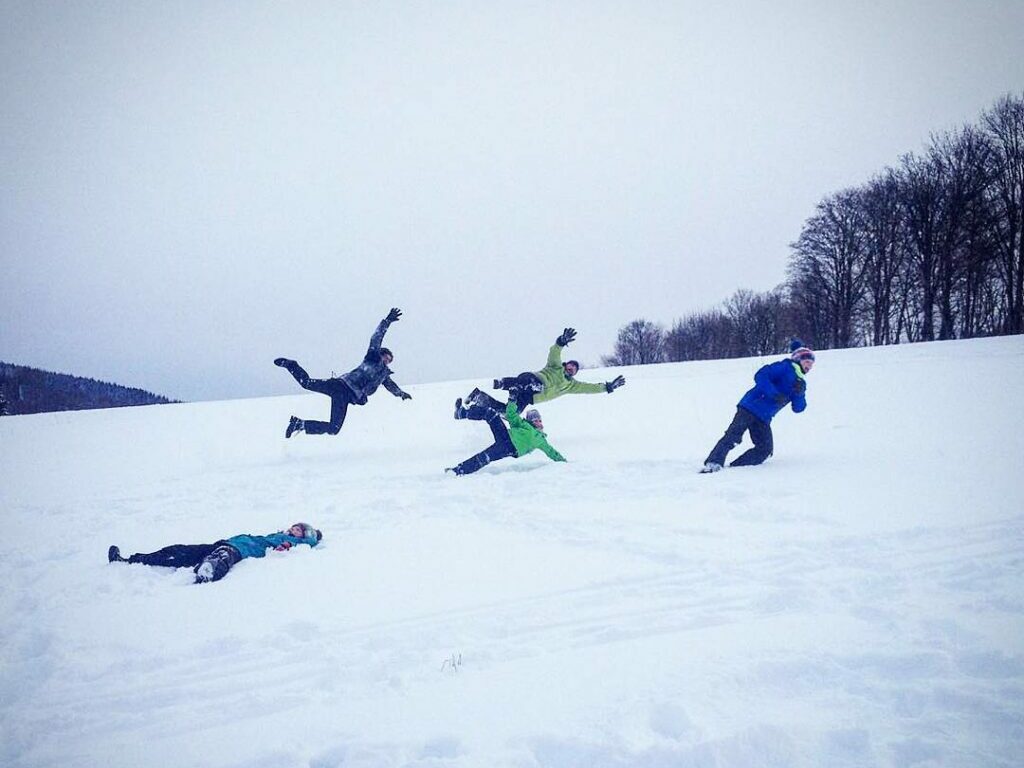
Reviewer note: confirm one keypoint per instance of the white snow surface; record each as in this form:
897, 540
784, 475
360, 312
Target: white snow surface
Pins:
858, 600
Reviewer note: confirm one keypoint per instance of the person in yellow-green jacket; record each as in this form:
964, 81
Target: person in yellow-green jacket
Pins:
520, 437
553, 380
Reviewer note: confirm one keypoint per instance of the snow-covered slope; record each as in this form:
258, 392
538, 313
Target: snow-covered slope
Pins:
856, 601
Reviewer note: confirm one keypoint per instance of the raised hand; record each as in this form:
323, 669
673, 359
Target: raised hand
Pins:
614, 384
566, 338
393, 315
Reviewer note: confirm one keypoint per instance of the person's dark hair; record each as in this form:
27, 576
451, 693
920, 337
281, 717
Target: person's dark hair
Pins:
386, 351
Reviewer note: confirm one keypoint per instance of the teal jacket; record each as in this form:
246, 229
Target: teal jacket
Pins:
556, 383
526, 437
250, 545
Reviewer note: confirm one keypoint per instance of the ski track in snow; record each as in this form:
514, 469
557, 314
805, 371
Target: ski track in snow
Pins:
616, 611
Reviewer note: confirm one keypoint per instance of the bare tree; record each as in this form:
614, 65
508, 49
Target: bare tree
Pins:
640, 342
933, 248
1005, 126
700, 336
960, 159
755, 320
883, 220
830, 260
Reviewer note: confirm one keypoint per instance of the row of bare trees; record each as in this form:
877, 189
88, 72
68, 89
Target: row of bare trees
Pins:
747, 324
932, 248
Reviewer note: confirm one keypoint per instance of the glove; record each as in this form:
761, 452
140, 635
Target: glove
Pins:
800, 387
406, 396
566, 338
780, 399
614, 384
284, 546
393, 315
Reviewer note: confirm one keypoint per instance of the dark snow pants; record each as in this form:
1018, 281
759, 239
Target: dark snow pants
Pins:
521, 388
220, 554
760, 434
501, 448
336, 389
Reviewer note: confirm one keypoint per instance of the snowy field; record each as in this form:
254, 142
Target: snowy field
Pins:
856, 601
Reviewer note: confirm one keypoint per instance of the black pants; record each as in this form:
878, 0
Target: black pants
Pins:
336, 389
521, 388
501, 448
760, 434
220, 554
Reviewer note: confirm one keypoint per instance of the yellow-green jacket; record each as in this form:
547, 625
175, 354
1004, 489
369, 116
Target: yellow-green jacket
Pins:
556, 383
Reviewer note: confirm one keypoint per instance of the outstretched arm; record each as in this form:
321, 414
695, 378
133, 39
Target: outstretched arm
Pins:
378, 335
586, 388
395, 390
554, 357
551, 452
512, 414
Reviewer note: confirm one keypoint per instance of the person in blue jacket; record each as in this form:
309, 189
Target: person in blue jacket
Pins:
775, 386
211, 562
352, 388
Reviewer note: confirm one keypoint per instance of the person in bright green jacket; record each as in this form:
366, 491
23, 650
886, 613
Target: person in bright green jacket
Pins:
521, 436
553, 380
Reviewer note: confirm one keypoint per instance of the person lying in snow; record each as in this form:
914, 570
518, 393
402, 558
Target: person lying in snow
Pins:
211, 562
775, 385
353, 388
553, 380
517, 439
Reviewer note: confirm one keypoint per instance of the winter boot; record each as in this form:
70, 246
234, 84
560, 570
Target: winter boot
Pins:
710, 467
497, 384
295, 424
114, 555
460, 412
204, 572
283, 362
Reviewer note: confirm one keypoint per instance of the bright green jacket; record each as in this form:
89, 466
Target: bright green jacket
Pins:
525, 437
556, 383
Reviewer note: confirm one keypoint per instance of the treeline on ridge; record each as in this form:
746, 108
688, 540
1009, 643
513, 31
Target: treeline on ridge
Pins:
30, 390
929, 248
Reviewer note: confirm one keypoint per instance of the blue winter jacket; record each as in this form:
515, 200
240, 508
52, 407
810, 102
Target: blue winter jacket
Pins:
784, 378
364, 379
250, 545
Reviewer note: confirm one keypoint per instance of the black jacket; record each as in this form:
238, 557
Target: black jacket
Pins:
372, 372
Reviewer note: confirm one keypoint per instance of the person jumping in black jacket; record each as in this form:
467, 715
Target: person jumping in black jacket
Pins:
353, 388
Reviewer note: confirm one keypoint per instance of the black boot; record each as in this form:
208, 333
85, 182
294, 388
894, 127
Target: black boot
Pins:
295, 424
114, 555
460, 412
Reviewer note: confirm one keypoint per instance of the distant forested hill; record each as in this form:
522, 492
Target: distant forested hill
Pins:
30, 390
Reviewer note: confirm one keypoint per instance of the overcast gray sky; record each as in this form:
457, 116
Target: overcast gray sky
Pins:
190, 189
